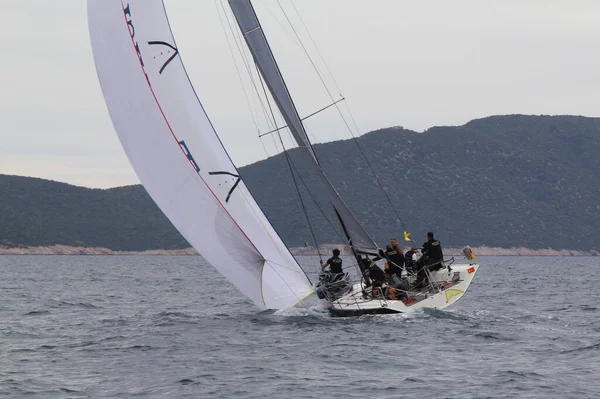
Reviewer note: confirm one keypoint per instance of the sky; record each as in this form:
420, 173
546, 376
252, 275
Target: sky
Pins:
415, 64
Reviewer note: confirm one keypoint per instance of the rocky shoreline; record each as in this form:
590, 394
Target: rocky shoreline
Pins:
299, 251
67, 250
482, 250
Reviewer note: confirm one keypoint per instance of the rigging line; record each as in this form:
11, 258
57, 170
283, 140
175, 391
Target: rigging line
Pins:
312, 232
343, 118
331, 224
364, 155
310, 133
238, 40
306, 53
343, 239
313, 197
262, 84
254, 119
248, 65
380, 185
306, 117
260, 99
341, 114
243, 88
282, 26
287, 157
237, 69
300, 300
317, 203
269, 51
314, 43
375, 174
298, 269
311, 60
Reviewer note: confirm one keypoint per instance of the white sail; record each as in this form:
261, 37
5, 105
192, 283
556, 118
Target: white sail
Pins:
179, 158
265, 61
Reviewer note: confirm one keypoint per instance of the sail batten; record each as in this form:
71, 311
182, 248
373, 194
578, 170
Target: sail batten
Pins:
264, 59
178, 156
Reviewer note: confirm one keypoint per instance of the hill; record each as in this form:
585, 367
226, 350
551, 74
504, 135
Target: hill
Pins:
502, 181
36, 212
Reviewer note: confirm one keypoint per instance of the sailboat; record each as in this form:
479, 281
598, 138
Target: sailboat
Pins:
180, 160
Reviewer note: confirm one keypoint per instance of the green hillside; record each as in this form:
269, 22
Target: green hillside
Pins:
36, 212
502, 181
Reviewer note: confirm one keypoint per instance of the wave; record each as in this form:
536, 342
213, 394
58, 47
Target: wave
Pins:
493, 336
514, 375
85, 305
37, 313
583, 348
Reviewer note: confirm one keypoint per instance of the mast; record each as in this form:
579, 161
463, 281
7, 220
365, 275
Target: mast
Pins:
264, 59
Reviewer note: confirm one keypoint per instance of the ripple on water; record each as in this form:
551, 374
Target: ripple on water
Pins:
37, 313
148, 339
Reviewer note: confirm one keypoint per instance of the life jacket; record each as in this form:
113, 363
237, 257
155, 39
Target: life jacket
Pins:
376, 273
433, 249
396, 261
335, 264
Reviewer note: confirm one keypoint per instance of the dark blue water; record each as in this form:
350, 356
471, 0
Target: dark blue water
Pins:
171, 327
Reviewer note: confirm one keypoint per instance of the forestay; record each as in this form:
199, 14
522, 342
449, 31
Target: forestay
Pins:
263, 57
178, 156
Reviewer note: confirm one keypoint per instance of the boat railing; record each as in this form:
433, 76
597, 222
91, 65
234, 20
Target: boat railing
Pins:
436, 286
358, 296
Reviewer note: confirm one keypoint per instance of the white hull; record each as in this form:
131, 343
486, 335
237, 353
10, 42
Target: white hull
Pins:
454, 285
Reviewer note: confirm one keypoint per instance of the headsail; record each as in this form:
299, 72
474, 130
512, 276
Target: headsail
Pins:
179, 158
265, 61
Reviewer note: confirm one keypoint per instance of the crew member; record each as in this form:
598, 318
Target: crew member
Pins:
410, 258
432, 248
373, 276
395, 244
431, 259
334, 263
395, 260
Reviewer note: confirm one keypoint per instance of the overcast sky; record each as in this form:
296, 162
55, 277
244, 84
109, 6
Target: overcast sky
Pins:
411, 63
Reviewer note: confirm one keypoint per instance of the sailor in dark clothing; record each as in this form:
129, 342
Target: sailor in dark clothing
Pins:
432, 257
334, 263
410, 258
372, 274
395, 260
375, 273
433, 250
397, 284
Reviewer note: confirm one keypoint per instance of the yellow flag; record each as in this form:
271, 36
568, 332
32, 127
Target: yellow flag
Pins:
406, 236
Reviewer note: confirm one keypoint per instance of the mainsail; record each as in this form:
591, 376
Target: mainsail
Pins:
178, 156
263, 57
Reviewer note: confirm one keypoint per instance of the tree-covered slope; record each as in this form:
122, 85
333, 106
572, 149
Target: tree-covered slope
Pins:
36, 212
503, 181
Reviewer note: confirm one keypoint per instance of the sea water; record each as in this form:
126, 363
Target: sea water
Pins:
171, 327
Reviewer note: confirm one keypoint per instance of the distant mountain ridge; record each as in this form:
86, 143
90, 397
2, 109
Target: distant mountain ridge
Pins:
502, 181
